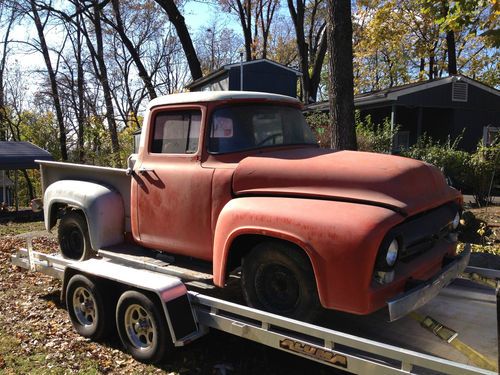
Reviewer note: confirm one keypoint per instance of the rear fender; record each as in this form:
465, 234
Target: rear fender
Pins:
102, 206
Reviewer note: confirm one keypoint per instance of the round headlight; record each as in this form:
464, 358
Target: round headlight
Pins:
456, 221
392, 253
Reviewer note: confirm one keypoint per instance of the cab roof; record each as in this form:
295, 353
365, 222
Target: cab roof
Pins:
211, 96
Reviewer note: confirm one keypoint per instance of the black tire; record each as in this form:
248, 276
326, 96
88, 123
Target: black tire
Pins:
73, 236
86, 308
277, 277
142, 327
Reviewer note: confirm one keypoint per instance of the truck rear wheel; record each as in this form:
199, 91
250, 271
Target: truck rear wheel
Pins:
87, 311
142, 327
73, 236
278, 278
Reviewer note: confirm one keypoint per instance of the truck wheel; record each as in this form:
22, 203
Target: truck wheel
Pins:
89, 315
73, 236
279, 279
142, 327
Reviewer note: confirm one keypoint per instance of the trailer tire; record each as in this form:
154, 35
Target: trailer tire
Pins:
73, 237
86, 308
277, 277
142, 327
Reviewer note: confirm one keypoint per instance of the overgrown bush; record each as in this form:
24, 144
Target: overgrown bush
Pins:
484, 172
453, 162
374, 137
370, 136
475, 173
320, 124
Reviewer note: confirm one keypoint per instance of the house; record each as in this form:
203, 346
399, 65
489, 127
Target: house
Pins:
257, 75
446, 107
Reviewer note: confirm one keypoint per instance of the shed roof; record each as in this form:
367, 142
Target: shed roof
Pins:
21, 155
225, 68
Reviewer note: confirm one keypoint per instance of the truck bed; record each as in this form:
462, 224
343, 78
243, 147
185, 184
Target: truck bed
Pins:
115, 178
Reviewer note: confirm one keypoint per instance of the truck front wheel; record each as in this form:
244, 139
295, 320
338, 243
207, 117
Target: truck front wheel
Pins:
278, 278
73, 236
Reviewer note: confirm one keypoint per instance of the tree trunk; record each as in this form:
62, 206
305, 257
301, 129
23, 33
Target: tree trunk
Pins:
452, 53
53, 81
28, 184
183, 33
341, 88
103, 78
80, 89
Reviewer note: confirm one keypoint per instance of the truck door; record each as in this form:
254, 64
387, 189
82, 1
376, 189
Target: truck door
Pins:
173, 191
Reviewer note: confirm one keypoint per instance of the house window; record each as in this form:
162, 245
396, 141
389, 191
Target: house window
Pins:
402, 140
459, 91
490, 133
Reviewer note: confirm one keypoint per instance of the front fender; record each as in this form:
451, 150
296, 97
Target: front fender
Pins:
103, 208
341, 238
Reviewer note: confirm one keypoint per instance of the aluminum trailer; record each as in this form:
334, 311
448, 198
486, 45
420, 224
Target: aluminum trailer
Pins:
190, 315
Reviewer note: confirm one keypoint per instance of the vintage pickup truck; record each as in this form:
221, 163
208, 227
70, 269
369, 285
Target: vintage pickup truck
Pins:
237, 179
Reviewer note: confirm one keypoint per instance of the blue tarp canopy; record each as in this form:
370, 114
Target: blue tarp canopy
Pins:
21, 155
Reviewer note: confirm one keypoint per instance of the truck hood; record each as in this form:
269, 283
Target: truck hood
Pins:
404, 185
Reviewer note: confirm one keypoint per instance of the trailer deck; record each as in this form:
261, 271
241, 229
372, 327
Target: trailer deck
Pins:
357, 344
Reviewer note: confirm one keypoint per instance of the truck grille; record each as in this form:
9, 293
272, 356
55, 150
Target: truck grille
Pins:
421, 232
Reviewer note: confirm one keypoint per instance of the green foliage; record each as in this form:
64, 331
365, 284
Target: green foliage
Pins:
374, 137
453, 162
476, 173
370, 136
320, 124
484, 172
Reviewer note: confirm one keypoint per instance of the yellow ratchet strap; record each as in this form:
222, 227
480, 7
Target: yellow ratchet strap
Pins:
450, 336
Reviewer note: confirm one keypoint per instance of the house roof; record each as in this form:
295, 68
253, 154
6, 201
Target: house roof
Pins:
21, 155
209, 96
393, 93
225, 68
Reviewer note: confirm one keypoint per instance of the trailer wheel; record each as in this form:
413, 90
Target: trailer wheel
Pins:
278, 278
142, 327
73, 236
87, 311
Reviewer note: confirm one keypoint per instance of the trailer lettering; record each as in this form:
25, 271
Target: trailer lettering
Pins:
321, 354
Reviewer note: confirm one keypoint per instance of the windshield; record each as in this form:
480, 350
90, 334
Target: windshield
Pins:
246, 127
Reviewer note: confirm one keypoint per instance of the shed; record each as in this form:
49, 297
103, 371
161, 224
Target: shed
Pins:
15, 156
261, 75
441, 108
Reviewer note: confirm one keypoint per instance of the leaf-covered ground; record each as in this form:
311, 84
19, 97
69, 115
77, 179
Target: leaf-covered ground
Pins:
37, 337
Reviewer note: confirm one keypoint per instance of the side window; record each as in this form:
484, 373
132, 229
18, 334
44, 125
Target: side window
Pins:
176, 132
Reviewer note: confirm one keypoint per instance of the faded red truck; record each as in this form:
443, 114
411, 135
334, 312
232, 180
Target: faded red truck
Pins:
237, 179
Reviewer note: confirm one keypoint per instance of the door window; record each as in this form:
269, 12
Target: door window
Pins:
176, 132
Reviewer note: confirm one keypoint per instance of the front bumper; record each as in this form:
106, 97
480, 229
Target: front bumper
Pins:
411, 300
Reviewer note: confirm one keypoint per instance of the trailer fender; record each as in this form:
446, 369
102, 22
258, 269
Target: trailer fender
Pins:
102, 206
